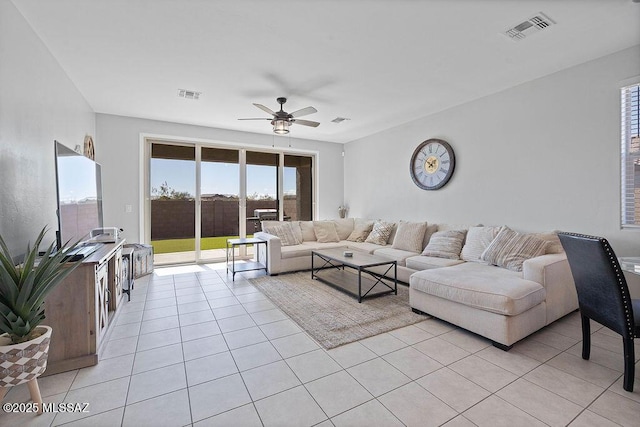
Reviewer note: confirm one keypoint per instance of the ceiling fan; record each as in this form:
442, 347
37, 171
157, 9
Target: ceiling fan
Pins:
282, 120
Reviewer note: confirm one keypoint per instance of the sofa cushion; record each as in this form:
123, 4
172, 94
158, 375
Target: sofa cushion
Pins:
344, 227
361, 230
422, 262
409, 236
306, 227
319, 246
362, 246
398, 255
449, 227
445, 244
380, 232
478, 238
481, 286
392, 235
295, 251
553, 246
325, 231
510, 249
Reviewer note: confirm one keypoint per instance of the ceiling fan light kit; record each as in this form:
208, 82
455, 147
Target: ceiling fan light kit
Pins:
282, 120
281, 127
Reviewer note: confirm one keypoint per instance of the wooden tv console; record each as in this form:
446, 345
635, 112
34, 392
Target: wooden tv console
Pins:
82, 309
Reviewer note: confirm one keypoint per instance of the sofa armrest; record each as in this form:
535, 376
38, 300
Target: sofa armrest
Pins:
544, 268
553, 272
273, 249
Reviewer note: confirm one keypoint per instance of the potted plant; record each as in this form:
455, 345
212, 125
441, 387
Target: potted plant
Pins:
24, 343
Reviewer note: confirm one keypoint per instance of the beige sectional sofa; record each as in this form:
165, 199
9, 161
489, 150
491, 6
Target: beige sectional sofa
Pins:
502, 304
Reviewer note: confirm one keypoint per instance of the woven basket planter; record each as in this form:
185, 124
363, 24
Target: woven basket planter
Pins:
20, 363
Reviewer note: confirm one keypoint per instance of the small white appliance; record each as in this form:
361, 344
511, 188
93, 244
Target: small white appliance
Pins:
105, 234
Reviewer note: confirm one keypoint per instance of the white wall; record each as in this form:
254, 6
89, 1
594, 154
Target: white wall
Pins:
540, 156
38, 104
118, 150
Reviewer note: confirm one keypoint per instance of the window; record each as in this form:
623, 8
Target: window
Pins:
630, 169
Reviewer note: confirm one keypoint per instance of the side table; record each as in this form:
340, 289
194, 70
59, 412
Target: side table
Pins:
245, 266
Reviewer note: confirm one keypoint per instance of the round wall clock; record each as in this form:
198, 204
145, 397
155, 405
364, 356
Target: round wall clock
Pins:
432, 164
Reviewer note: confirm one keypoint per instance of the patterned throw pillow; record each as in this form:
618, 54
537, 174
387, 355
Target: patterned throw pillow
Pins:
409, 236
285, 232
361, 230
445, 244
380, 233
510, 249
478, 239
267, 227
325, 231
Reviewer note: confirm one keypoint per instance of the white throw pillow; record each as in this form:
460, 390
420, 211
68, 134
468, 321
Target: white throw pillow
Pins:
445, 244
325, 231
409, 236
361, 230
286, 234
380, 233
510, 249
478, 239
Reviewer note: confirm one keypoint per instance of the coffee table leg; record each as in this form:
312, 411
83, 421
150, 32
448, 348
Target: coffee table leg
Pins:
359, 285
395, 276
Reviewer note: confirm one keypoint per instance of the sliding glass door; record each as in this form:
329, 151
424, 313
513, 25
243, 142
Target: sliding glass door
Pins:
173, 203
201, 195
298, 187
262, 189
219, 200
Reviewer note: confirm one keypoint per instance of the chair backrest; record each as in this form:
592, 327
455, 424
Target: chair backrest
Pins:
602, 289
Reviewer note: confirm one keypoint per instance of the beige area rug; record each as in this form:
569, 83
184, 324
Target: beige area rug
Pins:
332, 317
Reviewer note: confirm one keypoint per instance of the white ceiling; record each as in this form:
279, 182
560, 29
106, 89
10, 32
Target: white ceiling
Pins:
379, 63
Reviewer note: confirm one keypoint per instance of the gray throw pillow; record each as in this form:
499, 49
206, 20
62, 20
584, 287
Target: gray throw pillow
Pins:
445, 244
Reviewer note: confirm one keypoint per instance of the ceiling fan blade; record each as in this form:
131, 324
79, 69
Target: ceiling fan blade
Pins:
261, 118
304, 112
306, 123
265, 109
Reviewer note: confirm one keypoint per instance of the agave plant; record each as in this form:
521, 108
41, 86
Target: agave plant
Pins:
23, 288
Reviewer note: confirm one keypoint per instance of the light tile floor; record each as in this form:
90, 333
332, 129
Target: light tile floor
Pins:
193, 348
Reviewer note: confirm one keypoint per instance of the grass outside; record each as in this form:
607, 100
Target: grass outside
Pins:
185, 245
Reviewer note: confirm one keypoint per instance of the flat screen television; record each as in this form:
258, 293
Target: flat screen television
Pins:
79, 190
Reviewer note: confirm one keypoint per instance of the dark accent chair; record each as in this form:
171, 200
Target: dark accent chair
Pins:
603, 294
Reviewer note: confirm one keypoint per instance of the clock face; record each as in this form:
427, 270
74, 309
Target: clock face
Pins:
432, 164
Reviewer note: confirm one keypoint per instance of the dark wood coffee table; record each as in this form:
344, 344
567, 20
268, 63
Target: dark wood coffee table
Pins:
358, 280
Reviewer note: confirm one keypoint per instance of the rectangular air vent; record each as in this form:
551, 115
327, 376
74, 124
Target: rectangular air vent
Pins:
526, 28
339, 120
189, 94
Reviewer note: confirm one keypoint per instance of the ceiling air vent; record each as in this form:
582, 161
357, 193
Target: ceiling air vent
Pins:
532, 25
339, 119
189, 94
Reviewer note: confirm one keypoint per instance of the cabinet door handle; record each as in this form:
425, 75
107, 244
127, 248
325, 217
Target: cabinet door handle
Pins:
108, 294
